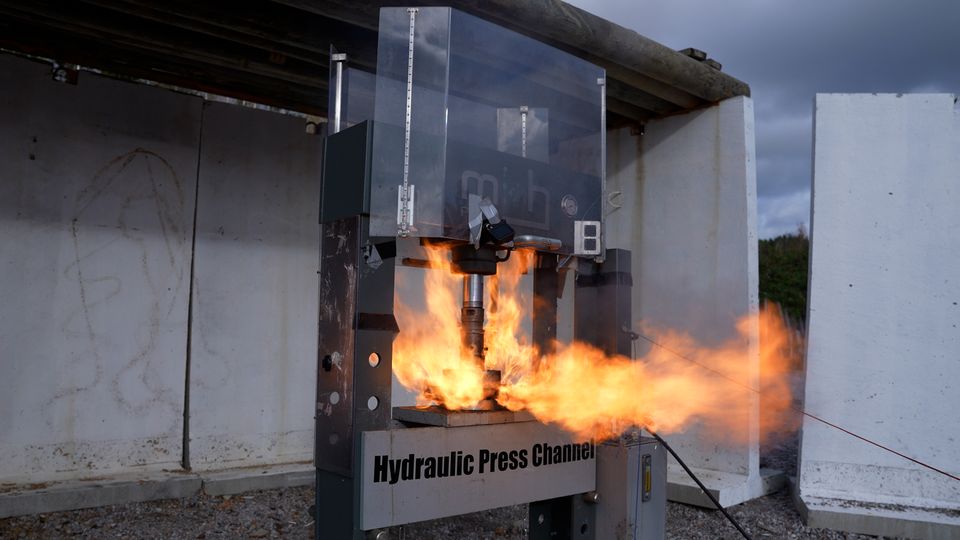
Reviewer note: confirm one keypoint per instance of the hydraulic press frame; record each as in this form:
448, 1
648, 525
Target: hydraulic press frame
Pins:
356, 330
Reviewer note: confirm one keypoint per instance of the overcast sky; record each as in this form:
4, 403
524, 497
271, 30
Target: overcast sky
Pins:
789, 50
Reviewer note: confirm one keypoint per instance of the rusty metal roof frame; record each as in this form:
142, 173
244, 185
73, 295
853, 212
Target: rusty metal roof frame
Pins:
276, 52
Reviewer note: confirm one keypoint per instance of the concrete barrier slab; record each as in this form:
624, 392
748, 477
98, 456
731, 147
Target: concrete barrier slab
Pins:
728, 488
76, 494
250, 479
879, 519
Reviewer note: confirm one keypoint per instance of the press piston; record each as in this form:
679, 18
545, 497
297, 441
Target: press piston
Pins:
471, 329
471, 317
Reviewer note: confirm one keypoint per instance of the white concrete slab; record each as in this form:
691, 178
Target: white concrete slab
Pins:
883, 353
120, 488
682, 197
728, 488
232, 481
97, 188
123, 488
254, 334
886, 520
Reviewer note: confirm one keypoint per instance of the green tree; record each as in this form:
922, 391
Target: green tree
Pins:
783, 272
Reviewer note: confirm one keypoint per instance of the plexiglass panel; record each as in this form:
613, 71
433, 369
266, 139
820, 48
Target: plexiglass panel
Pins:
358, 97
492, 113
357, 90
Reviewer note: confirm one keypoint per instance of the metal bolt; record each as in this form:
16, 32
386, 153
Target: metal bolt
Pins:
382, 534
591, 497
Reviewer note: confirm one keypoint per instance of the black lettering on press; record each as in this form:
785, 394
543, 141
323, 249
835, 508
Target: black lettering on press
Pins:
407, 469
395, 465
380, 468
502, 459
484, 458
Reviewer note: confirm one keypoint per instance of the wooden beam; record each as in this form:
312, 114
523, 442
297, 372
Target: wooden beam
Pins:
620, 91
366, 15
268, 38
178, 16
627, 56
121, 30
628, 111
265, 25
44, 41
360, 14
282, 41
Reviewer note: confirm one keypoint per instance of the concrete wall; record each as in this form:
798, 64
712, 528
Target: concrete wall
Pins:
254, 334
97, 190
683, 199
97, 251
883, 357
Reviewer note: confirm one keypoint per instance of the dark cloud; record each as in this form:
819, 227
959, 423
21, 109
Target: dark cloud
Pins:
790, 50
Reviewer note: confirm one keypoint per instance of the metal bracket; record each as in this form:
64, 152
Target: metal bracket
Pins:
646, 465
586, 238
65, 73
371, 256
480, 209
405, 199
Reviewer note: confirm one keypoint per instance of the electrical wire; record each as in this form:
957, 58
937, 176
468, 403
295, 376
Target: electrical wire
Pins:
702, 487
633, 353
800, 411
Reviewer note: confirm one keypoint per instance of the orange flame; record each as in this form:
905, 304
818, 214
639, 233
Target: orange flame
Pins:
426, 354
675, 384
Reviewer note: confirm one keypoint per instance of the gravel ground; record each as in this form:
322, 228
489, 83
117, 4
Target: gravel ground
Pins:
284, 513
